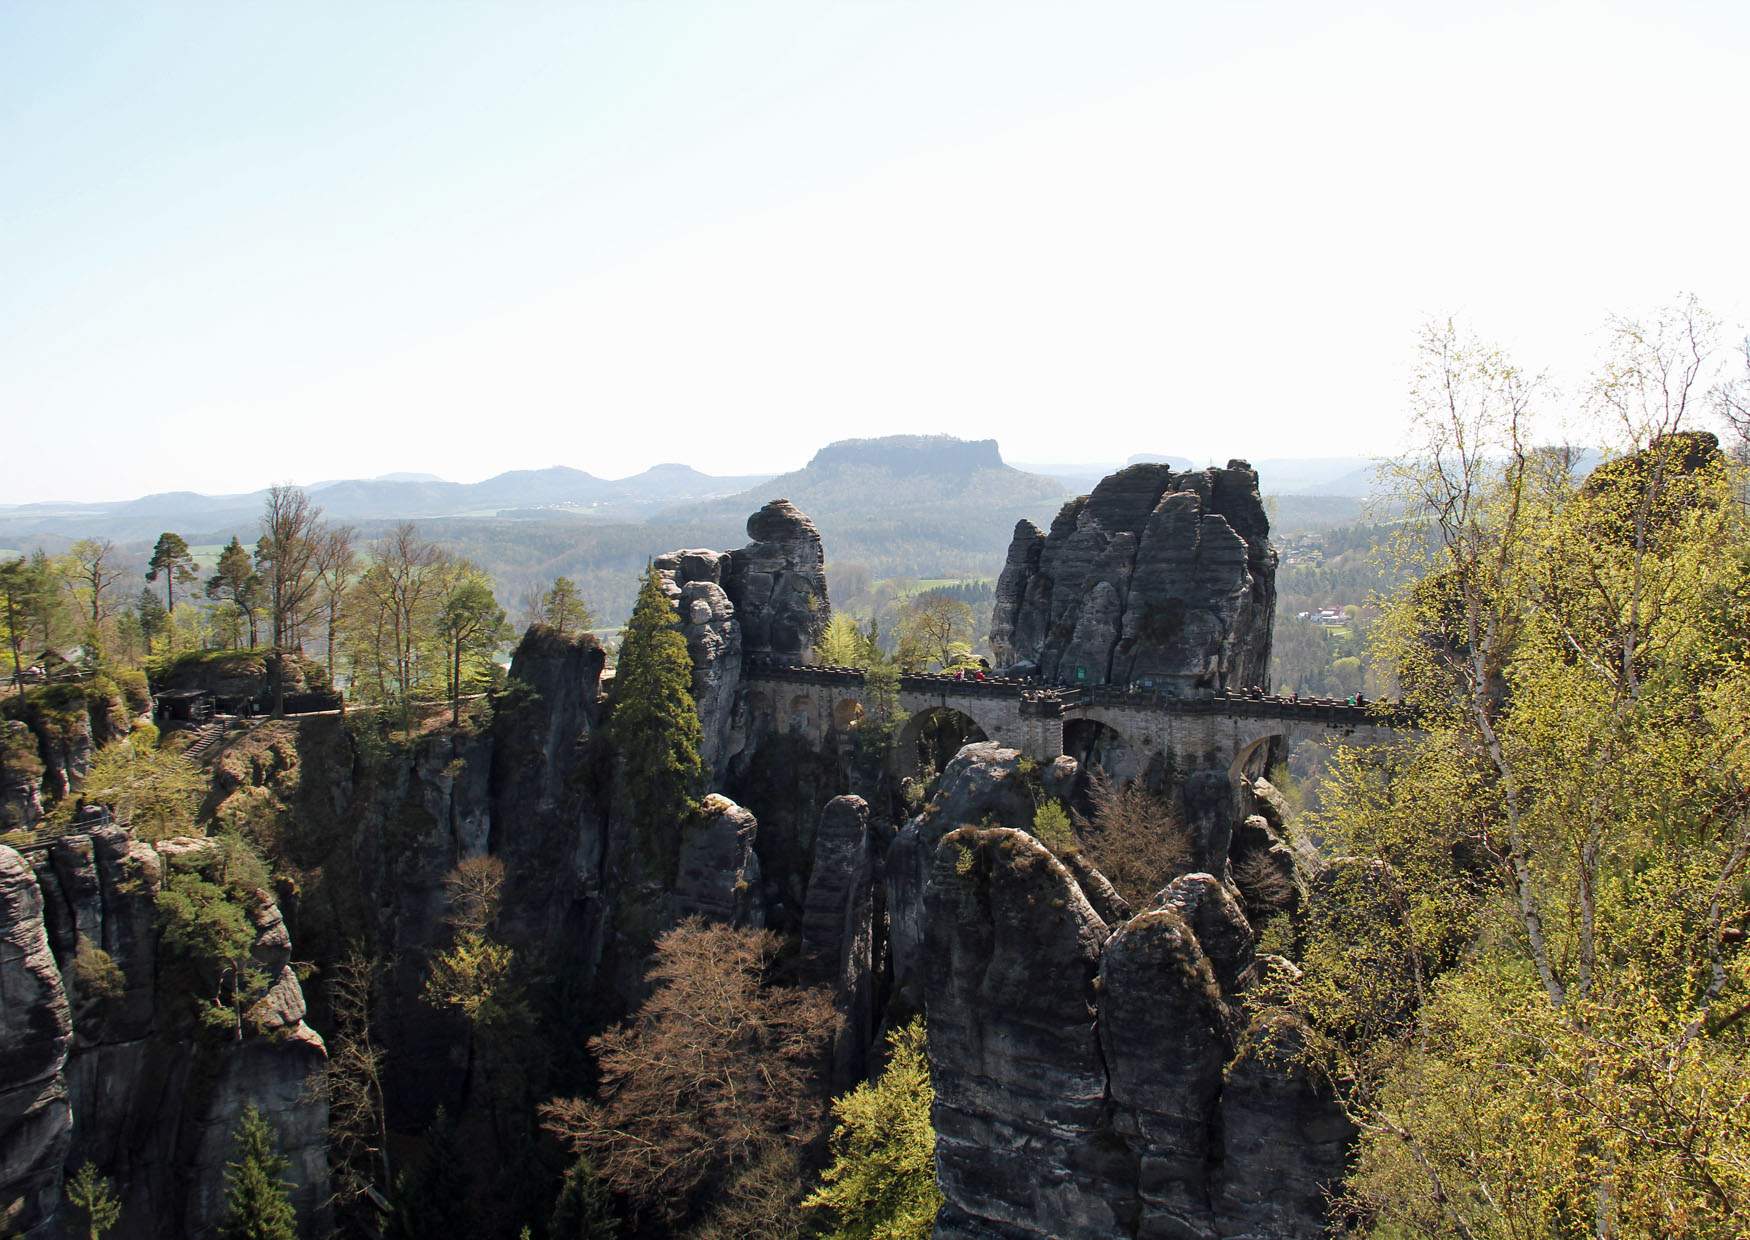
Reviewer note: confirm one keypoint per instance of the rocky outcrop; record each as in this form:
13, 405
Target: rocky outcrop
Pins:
842, 926
36, 1031
982, 781
113, 1072
1158, 578
1105, 1080
778, 584
542, 811
694, 582
1013, 951
21, 776
767, 600
719, 873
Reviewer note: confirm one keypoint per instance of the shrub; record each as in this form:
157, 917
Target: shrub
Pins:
1051, 827
97, 974
157, 790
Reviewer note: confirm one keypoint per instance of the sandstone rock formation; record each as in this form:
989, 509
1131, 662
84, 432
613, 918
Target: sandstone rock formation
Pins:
36, 1031
1158, 578
21, 776
719, 873
767, 599
982, 781
1104, 1080
842, 927
778, 584
117, 1079
694, 581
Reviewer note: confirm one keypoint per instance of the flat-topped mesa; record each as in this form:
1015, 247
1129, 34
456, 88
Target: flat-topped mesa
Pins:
1160, 579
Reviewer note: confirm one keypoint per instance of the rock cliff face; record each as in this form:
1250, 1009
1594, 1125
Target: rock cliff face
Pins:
21, 776
1158, 577
778, 584
117, 1078
694, 581
767, 599
1103, 1080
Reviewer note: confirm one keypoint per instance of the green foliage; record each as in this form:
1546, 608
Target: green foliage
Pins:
235, 581
136, 693
562, 608
882, 1181
477, 977
432, 1198
655, 723
156, 790
258, 1204
91, 1194
1051, 827
472, 627
934, 628
1527, 981
171, 560
841, 643
28, 595
97, 975
585, 1208
204, 912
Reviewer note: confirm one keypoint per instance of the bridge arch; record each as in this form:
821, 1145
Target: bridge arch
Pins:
1254, 758
929, 739
1096, 743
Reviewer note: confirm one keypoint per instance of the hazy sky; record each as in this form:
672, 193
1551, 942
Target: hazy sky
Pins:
243, 243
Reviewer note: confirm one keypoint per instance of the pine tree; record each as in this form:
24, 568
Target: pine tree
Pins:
172, 558
154, 620
431, 1200
257, 1203
237, 581
584, 1210
655, 723
91, 1193
563, 607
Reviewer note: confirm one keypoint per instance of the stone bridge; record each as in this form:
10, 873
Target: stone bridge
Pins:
1124, 730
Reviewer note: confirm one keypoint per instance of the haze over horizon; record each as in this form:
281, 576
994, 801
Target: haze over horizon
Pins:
242, 247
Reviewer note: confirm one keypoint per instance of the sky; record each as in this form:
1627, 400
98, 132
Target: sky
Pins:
242, 244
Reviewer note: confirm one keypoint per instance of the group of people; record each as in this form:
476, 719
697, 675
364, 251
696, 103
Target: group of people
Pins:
1257, 693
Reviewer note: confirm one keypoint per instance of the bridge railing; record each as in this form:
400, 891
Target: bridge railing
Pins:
1268, 706
912, 682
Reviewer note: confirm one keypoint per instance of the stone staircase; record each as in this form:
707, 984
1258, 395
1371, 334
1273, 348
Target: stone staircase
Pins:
209, 738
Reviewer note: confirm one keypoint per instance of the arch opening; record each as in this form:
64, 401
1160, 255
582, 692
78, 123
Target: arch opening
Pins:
930, 739
847, 715
1093, 743
1254, 760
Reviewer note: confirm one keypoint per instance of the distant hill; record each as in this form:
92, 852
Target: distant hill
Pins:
206, 518
906, 505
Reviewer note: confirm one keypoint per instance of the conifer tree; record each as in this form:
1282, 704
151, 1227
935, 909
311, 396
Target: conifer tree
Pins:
257, 1203
237, 581
882, 1181
563, 607
172, 558
584, 1210
90, 1192
432, 1199
655, 723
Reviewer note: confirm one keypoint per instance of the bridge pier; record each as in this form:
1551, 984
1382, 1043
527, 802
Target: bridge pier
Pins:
1042, 727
